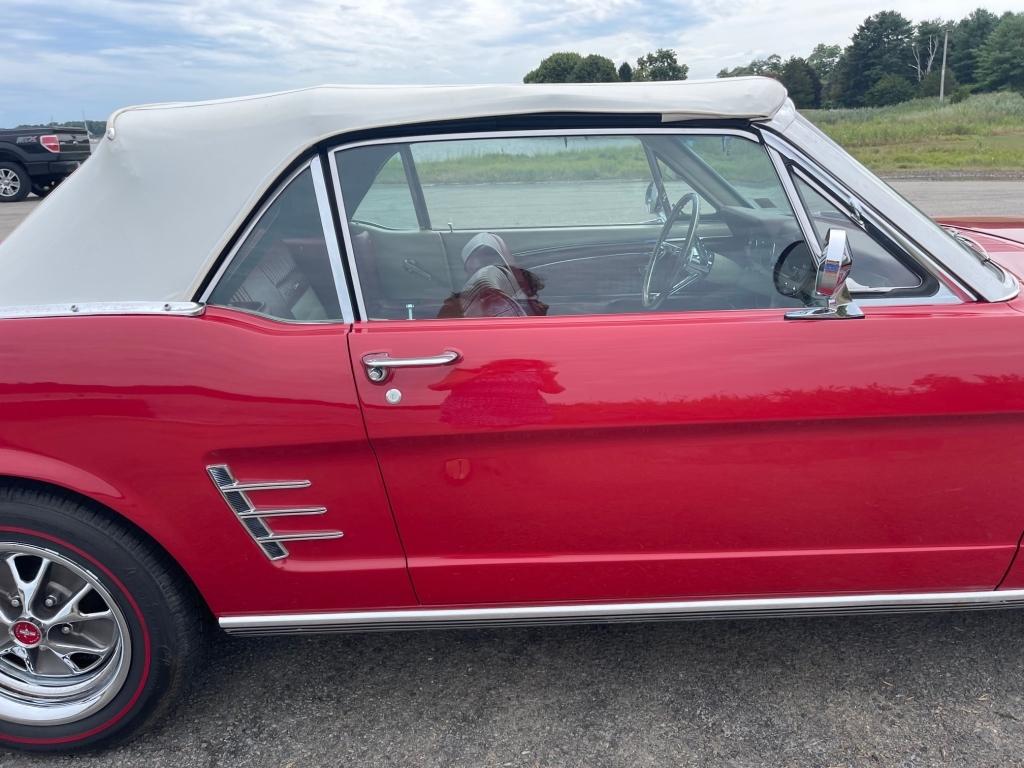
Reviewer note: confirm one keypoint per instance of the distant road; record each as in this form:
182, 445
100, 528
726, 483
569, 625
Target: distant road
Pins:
936, 198
964, 198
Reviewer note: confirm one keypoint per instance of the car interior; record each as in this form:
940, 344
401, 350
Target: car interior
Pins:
733, 246
282, 269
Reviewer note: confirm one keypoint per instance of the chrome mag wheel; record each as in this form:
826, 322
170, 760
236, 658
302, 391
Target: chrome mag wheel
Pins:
65, 648
10, 183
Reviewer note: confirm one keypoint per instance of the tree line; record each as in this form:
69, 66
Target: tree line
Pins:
889, 59
96, 128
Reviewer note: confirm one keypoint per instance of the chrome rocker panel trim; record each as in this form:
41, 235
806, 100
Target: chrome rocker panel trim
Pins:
431, 618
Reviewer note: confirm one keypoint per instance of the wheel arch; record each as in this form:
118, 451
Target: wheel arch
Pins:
88, 490
8, 154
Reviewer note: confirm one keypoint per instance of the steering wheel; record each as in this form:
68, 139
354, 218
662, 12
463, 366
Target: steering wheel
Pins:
690, 262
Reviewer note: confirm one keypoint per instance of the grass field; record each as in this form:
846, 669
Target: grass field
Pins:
981, 135
985, 133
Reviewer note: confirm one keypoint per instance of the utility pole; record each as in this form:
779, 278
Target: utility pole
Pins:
942, 77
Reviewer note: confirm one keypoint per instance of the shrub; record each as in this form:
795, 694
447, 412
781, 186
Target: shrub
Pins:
962, 93
933, 80
890, 89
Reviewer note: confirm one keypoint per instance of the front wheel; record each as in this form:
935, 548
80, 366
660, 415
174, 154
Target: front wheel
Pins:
97, 630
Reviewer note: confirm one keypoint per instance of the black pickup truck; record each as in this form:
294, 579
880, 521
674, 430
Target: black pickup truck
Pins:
38, 159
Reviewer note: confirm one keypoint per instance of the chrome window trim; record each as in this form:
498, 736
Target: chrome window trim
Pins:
178, 308
820, 176
434, 618
332, 153
943, 294
859, 218
346, 234
802, 217
330, 239
826, 184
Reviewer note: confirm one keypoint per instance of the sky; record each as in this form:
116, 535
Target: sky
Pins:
63, 59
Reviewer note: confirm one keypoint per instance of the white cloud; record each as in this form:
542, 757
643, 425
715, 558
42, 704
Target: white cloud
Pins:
117, 52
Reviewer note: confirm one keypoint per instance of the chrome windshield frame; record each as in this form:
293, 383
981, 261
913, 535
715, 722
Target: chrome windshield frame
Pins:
964, 274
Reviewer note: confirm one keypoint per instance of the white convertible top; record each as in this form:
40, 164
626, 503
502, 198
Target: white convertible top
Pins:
146, 216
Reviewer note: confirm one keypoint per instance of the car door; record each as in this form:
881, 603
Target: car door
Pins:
709, 449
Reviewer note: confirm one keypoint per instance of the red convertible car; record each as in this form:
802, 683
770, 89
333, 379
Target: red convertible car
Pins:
349, 359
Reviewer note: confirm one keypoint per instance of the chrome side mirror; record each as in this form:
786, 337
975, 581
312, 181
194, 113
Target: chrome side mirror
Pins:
655, 203
652, 200
830, 286
836, 263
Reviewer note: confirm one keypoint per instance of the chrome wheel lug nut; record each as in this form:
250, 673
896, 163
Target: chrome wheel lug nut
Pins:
16, 602
65, 629
50, 601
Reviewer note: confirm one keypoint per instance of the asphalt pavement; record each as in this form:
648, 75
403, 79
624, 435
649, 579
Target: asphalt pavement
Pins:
916, 690
11, 215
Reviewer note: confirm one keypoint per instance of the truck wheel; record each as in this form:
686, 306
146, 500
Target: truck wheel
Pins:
98, 631
14, 182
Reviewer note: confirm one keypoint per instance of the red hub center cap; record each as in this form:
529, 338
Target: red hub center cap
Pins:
26, 634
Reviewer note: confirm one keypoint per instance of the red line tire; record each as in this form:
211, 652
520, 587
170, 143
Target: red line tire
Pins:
160, 621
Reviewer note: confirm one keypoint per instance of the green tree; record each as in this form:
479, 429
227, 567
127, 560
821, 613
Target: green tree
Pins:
932, 82
660, 65
890, 89
881, 46
767, 67
824, 59
743, 71
625, 72
802, 83
834, 94
966, 40
1001, 58
594, 69
556, 68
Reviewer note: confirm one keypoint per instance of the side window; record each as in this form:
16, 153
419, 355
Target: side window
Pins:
282, 269
388, 201
743, 165
874, 267
565, 181
676, 186
571, 225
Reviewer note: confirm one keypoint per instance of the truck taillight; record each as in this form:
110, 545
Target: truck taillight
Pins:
51, 143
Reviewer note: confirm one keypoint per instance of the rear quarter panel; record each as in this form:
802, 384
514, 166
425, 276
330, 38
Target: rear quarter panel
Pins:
129, 411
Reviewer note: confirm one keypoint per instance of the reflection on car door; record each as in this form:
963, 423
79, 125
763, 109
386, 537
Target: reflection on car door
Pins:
700, 454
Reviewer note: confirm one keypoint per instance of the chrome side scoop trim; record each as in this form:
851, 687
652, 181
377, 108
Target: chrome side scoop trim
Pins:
433, 618
253, 518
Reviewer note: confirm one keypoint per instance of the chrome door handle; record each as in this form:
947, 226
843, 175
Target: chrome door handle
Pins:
378, 365
386, 361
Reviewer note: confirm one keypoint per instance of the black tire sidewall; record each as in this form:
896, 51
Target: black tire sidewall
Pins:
26, 182
141, 603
